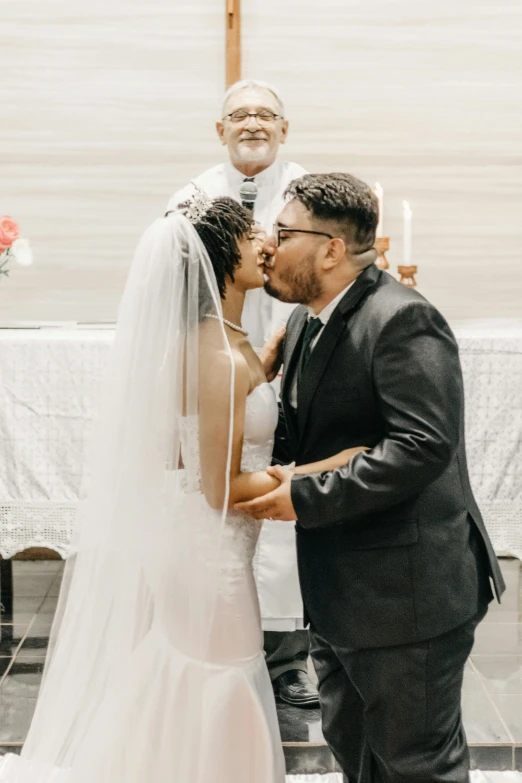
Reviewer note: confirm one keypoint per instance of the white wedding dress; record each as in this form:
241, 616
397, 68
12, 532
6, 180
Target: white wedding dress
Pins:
168, 716
241, 739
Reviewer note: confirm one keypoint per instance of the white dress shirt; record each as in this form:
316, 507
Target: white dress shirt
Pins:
261, 314
324, 316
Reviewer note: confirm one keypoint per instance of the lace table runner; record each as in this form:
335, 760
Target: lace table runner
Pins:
50, 380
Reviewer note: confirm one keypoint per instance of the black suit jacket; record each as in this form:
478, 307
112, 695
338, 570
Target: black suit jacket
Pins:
392, 548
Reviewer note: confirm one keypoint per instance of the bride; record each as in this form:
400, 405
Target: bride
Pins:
155, 668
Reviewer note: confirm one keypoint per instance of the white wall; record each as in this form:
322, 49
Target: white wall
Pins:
108, 108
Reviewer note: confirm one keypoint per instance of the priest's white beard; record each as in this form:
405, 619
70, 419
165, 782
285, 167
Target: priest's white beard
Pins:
254, 151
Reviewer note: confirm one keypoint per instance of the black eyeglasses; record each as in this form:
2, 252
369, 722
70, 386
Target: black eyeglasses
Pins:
263, 116
277, 230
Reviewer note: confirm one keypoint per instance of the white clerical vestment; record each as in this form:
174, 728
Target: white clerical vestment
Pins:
275, 562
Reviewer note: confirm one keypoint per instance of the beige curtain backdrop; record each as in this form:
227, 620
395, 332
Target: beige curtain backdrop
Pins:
426, 98
107, 108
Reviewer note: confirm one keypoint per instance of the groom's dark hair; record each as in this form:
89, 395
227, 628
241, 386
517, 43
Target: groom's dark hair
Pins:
342, 199
224, 222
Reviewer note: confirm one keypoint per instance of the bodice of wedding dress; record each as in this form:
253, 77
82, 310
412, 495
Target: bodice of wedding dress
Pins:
260, 422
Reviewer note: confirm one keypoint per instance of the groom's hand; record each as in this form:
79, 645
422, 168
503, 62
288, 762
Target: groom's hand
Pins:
276, 504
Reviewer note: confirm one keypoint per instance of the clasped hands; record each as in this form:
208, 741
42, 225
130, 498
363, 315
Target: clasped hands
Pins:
277, 504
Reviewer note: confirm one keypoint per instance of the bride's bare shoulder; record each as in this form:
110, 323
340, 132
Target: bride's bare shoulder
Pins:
217, 362
242, 374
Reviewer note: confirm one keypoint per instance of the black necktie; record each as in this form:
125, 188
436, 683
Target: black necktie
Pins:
247, 204
312, 329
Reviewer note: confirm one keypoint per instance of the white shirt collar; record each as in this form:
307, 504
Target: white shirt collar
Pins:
266, 177
327, 311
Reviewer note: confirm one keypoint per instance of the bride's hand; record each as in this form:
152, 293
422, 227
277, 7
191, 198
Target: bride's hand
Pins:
350, 453
336, 461
271, 354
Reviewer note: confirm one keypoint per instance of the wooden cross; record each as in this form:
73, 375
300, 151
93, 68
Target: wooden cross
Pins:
233, 56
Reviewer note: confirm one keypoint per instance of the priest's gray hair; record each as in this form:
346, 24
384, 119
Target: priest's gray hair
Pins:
253, 83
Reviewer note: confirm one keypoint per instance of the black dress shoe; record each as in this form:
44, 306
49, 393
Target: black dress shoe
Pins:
294, 687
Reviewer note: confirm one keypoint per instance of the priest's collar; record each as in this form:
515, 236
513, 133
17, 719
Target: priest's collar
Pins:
268, 176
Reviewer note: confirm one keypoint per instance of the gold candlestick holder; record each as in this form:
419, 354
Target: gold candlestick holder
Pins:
407, 274
382, 245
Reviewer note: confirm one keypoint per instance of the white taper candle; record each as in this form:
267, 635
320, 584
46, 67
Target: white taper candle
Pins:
379, 192
406, 251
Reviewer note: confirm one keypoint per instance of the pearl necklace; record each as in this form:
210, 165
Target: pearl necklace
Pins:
228, 323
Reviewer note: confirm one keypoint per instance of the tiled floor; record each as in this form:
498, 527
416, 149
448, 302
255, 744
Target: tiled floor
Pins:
492, 687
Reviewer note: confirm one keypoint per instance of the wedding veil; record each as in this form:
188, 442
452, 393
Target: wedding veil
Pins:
140, 584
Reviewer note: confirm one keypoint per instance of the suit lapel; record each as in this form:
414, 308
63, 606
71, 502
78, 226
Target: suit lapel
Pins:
362, 286
329, 338
316, 366
292, 353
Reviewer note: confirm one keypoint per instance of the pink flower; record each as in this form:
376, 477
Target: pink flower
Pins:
9, 232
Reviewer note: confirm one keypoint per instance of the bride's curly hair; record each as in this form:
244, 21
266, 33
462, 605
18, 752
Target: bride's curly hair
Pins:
224, 222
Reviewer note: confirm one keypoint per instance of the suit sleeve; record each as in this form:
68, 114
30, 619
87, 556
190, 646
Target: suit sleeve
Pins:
418, 383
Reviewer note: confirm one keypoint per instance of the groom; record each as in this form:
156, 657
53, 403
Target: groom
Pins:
394, 559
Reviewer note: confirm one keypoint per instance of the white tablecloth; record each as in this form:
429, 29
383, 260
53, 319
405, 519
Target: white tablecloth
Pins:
49, 379
491, 357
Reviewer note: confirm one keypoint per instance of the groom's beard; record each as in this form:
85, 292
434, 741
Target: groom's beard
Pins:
297, 286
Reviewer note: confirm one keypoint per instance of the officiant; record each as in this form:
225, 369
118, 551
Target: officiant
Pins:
253, 127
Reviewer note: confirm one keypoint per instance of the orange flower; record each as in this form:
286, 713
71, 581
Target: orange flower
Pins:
9, 232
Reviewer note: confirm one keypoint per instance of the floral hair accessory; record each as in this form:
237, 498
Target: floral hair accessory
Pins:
196, 207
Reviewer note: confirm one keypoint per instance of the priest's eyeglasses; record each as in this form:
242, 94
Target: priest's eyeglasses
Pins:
277, 230
263, 116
